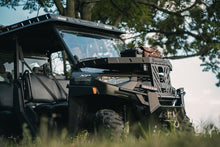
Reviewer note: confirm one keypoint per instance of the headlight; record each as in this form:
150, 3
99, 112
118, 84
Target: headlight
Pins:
114, 80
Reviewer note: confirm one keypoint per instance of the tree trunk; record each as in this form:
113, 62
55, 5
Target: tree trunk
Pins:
117, 21
59, 6
86, 11
70, 8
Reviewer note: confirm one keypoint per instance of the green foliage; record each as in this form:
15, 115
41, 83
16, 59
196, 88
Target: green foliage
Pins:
33, 5
193, 32
9, 3
134, 16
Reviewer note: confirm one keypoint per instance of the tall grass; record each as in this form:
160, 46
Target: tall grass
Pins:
147, 138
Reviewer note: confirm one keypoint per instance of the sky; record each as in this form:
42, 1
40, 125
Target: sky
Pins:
202, 99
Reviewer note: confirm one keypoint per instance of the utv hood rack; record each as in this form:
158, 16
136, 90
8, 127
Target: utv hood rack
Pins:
122, 63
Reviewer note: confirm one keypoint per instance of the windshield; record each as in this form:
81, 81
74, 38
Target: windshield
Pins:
89, 46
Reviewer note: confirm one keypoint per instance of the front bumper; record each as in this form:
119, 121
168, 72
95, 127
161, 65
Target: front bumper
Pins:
147, 97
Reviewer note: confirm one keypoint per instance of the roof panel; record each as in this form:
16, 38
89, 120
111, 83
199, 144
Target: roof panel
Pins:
60, 19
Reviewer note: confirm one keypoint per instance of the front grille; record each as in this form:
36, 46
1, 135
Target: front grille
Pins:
161, 78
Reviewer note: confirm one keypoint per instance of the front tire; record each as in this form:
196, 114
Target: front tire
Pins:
108, 119
176, 119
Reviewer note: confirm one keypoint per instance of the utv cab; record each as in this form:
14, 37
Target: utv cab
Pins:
78, 73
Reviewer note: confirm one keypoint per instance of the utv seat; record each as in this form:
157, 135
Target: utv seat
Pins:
42, 88
6, 91
7, 117
41, 94
36, 91
6, 96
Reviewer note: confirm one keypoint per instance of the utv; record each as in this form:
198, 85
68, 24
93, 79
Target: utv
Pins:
71, 72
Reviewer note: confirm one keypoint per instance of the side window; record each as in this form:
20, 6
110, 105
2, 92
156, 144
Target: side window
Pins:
9, 67
32, 62
60, 64
6, 67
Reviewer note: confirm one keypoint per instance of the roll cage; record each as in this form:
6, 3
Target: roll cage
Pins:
39, 37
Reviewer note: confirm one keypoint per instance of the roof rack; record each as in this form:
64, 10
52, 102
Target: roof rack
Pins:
25, 23
42, 18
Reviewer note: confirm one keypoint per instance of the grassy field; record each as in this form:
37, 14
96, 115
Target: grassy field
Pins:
209, 137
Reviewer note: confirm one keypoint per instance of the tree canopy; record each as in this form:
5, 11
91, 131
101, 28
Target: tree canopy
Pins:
182, 28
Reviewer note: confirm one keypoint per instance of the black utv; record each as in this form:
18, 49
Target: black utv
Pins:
79, 74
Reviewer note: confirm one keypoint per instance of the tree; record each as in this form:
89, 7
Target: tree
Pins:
182, 28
